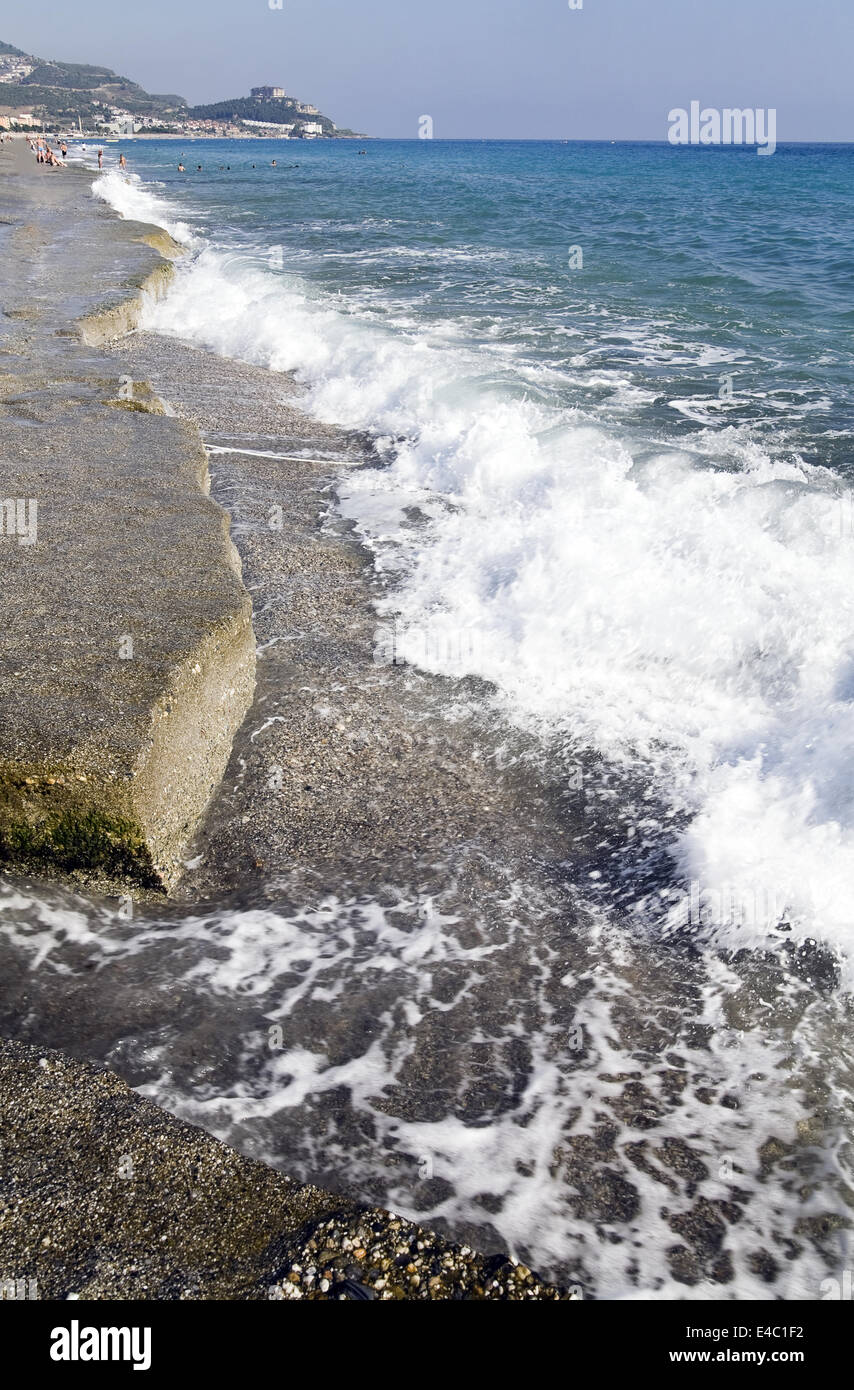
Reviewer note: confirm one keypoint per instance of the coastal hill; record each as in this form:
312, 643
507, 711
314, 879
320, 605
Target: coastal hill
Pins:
64, 91
268, 111
49, 92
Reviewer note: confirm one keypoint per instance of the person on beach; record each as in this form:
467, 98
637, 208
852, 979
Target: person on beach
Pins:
100, 159
123, 164
63, 150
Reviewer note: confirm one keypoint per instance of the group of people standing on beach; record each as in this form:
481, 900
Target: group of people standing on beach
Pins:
45, 155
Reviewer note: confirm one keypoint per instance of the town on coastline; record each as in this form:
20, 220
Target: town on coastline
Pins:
79, 99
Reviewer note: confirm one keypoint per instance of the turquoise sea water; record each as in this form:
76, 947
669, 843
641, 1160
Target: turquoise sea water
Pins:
692, 259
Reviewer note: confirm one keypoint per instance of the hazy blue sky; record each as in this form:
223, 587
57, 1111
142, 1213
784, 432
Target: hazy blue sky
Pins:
499, 68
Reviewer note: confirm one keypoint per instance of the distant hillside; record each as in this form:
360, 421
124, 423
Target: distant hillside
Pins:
63, 91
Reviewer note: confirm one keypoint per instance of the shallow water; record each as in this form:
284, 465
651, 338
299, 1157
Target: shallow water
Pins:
627, 1117
628, 479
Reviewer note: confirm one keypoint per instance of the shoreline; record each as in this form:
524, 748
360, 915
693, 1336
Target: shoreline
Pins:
395, 879
85, 1153
107, 1197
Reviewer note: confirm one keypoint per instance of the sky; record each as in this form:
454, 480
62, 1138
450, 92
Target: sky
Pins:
500, 69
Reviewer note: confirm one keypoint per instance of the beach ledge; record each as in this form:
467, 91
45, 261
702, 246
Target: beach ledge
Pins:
127, 655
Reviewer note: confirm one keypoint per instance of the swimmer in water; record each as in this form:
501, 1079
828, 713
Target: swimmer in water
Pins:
180, 169
123, 164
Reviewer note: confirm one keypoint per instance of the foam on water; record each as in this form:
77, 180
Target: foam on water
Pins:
294, 1039
133, 200
686, 612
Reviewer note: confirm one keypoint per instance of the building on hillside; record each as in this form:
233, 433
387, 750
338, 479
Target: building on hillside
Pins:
307, 110
13, 68
310, 129
267, 93
274, 127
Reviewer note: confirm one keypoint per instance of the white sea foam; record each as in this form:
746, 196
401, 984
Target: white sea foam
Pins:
132, 199
321, 973
685, 613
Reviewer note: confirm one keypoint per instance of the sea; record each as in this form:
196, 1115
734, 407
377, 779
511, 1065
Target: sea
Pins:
614, 384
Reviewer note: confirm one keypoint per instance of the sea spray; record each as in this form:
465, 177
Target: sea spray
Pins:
683, 610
